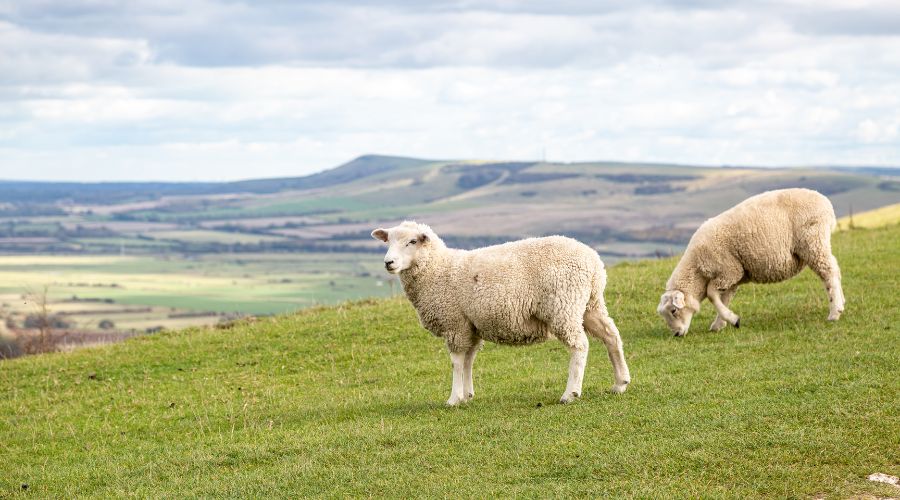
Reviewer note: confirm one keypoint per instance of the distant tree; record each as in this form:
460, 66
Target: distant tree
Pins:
44, 322
106, 324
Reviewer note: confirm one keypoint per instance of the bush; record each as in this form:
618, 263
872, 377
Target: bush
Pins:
9, 348
52, 321
106, 324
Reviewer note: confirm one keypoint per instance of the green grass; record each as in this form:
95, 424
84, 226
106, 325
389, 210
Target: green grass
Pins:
347, 401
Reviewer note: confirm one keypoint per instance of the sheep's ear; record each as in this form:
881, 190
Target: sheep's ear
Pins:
423, 238
380, 234
678, 299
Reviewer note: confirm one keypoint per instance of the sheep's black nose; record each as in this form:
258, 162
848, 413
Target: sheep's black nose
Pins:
388, 263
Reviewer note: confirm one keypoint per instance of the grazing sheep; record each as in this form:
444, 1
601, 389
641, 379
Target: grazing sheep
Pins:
766, 238
517, 293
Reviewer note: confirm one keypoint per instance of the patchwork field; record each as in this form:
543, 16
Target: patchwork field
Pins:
140, 293
347, 401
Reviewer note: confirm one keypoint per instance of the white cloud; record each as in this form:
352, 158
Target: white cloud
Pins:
125, 90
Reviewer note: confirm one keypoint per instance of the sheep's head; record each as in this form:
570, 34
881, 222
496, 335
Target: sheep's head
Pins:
407, 243
677, 309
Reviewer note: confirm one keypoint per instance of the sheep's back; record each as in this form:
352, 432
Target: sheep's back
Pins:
766, 232
511, 291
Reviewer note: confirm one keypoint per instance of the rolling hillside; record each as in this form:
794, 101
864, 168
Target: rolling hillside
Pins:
626, 210
170, 255
347, 401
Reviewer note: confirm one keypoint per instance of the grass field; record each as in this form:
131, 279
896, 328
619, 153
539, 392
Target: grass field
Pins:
347, 401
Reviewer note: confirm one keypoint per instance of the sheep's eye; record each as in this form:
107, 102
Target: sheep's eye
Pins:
412, 242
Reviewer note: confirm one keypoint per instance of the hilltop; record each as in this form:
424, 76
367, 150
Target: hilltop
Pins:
347, 401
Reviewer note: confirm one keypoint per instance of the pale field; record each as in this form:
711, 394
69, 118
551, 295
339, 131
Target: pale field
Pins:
61, 260
880, 217
208, 236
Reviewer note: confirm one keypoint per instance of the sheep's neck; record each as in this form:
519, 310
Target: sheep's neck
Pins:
687, 279
425, 274
422, 271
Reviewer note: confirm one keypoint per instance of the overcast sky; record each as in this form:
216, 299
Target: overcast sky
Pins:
215, 90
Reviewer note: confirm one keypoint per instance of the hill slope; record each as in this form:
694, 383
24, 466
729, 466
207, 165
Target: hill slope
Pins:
880, 217
347, 401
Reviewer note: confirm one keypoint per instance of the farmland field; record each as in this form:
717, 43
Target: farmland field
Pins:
173, 287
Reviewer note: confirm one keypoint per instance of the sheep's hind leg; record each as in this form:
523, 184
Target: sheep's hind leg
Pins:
600, 325
817, 255
468, 381
720, 322
715, 296
457, 391
830, 273
578, 353
571, 333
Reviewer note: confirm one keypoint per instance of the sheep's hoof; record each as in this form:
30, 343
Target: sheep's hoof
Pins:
469, 396
619, 388
737, 322
569, 398
453, 401
717, 325
834, 316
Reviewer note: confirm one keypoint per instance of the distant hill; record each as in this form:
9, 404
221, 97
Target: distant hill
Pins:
34, 192
623, 209
362, 167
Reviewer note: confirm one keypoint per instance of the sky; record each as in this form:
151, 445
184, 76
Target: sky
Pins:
220, 90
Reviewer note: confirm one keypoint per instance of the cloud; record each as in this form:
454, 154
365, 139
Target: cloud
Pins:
207, 89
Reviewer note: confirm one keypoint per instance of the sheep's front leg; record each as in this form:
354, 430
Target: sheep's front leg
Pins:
719, 322
468, 380
715, 296
457, 391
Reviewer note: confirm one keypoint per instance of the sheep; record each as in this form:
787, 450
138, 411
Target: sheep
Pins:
517, 293
767, 238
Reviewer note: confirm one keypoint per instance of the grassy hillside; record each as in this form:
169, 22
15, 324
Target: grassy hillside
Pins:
348, 401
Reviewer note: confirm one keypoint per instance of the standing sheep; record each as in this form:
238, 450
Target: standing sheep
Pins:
517, 293
766, 238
